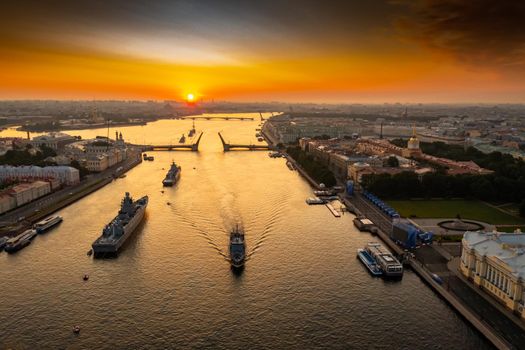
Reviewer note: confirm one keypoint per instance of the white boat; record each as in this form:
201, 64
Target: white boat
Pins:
22, 240
314, 200
47, 223
369, 262
390, 266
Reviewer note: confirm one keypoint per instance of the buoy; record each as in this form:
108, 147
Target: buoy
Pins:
86, 277
76, 329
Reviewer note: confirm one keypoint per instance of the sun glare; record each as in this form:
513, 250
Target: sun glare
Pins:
190, 97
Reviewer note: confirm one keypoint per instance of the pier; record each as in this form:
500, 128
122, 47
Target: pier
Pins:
194, 147
229, 147
333, 210
417, 265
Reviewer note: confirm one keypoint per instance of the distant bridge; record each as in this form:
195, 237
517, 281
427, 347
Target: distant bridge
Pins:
230, 147
216, 117
190, 147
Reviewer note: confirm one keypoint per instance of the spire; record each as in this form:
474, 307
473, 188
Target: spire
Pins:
414, 130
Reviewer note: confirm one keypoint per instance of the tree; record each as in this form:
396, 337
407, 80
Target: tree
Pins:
47, 151
82, 171
392, 162
522, 208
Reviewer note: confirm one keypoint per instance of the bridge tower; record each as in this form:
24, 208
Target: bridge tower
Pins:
195, 146
225, 146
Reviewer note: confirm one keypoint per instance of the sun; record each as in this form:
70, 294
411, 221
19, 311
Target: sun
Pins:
190, 97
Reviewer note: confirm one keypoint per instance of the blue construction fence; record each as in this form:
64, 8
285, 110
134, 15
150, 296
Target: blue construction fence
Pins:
404, 233
409, 236
385, 208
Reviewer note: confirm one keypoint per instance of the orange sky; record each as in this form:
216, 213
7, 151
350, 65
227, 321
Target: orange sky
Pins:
158, 56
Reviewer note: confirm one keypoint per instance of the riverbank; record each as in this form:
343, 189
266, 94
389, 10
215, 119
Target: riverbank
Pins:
418, 263
62, 128
426, 262
43, 207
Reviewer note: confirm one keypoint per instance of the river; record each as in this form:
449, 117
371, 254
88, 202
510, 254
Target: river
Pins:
171, 286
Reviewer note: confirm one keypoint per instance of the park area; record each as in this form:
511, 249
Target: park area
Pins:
467, 209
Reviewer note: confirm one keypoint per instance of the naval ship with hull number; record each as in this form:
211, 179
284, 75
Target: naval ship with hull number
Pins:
237, 248
172, 176
115, 234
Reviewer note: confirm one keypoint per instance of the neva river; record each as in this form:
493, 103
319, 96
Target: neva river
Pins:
171, 286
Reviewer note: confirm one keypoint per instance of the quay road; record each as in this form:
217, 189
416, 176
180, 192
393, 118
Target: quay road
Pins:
20, 218
382, 221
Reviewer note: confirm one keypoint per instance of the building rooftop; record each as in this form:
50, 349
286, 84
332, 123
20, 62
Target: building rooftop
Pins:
506, 247
53, 136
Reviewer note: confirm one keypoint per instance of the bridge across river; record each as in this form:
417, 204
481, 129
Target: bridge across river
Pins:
203, 117
194, 147
230, 147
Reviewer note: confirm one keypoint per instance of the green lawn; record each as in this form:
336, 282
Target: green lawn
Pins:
510, 228
474, 210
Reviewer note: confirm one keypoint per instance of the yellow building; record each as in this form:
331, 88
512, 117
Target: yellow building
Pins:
495, 261
97, 163
413, 146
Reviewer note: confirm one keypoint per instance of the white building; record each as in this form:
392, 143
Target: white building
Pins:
102, 154
25, 193
7, 202
97, 163
64, 174
54, 140
495, 261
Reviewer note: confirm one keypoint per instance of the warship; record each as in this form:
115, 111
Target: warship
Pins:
115, 234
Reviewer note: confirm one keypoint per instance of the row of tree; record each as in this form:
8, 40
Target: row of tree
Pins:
37, 156
318, 171
28, 156
407, 185
506, 184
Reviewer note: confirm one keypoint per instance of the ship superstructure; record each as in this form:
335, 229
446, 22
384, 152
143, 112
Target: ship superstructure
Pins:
115, 234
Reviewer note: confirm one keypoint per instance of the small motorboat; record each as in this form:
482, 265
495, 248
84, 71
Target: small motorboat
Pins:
76, 329
86, 277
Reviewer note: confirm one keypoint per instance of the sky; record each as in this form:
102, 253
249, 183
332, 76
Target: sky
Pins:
328, 51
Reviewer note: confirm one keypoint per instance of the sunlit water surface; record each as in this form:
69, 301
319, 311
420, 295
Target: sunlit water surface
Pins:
172, 287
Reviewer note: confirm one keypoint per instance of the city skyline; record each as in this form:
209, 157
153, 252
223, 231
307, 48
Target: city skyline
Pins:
382, 51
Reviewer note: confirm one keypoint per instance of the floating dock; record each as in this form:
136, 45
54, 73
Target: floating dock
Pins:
333, 210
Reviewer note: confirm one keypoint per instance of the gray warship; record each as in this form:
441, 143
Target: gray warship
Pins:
121, 227
172, 176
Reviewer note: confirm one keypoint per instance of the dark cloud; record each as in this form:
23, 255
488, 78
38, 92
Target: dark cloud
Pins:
488, 32
242, 21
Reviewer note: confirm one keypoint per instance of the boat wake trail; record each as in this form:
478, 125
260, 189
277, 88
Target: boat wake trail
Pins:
273, 217
204, 233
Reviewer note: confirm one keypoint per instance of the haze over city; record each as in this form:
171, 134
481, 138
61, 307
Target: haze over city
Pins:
295, 51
